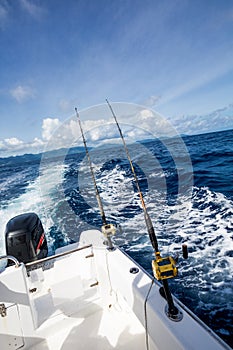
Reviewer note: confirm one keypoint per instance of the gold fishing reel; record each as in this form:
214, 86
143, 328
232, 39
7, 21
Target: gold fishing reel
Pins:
164, 268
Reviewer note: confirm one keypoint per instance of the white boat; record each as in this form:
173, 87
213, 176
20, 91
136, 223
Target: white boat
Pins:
88, 296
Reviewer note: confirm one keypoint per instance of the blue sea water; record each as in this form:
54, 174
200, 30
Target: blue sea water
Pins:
192, 205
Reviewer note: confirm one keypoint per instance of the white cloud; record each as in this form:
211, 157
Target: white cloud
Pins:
14, 146
34, 10
4, 11
136, 124
57, 134
48, 127
31, 7
98, 129
13, 141
151, 101
22, 93
2, 145
145, 114
37, 143
146, 123
221, 119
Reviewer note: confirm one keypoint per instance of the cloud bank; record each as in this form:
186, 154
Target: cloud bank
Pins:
136, 124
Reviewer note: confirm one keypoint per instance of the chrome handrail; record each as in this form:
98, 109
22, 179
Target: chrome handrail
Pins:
48, 258
12, 258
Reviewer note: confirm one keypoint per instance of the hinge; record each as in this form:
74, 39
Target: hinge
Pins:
3, 310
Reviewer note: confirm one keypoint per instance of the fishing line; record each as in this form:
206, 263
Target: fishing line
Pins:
145, 313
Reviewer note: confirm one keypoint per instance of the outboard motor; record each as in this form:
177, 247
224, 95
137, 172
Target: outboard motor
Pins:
25, 238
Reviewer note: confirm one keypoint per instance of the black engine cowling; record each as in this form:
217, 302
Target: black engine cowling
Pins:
25, 238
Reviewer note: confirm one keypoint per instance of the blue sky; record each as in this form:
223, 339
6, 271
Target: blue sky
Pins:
175, 56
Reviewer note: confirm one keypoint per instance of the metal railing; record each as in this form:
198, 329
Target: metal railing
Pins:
12, 258
52, 257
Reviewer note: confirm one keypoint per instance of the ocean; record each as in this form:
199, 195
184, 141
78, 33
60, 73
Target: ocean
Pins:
189, 199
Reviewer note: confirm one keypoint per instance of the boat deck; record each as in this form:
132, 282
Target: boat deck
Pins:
96, 328
92, 298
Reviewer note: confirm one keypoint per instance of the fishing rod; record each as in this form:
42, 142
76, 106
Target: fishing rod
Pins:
163, 268
107, 229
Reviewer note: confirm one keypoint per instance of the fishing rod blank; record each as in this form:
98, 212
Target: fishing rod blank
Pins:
107, 229
163, 268
149, 225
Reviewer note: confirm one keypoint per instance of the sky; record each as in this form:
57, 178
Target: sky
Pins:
174, 56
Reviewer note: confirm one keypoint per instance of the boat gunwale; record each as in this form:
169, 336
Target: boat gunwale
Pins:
178, 302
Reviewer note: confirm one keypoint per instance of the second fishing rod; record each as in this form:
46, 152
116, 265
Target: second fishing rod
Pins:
163, 268
107, 229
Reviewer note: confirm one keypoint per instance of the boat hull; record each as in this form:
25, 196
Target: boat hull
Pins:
88, 296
